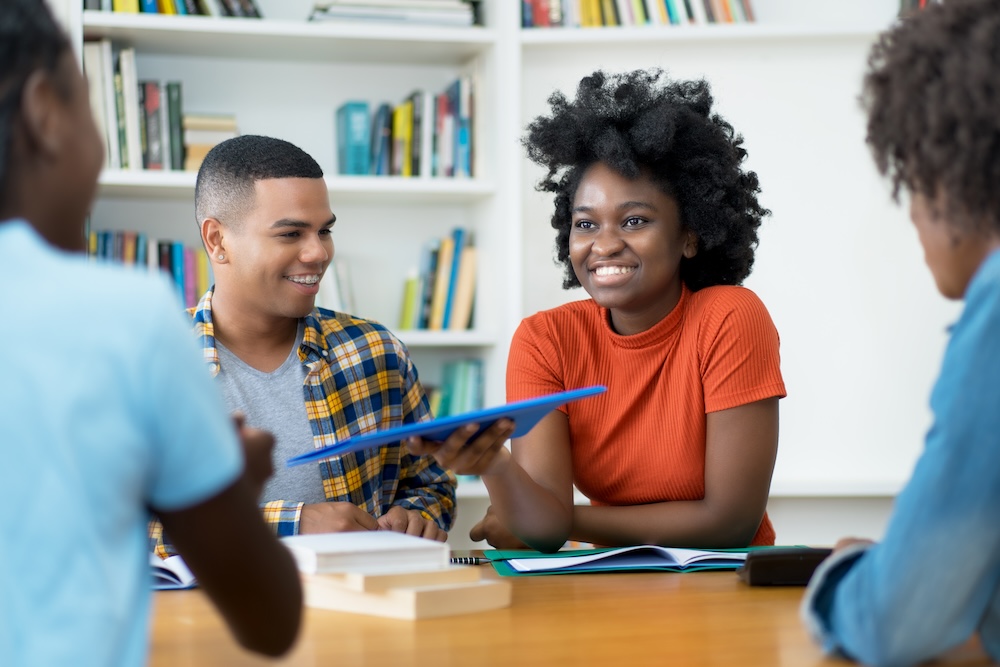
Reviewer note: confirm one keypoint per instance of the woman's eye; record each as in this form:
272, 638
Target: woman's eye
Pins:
583, 224
632, 222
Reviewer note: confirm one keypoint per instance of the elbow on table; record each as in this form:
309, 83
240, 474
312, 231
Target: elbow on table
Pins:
276, 637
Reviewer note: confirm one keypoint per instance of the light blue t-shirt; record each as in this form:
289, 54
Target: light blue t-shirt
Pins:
105, 409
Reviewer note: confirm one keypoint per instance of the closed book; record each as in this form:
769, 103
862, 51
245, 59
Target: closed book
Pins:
127, 6
377, 582
203, 121
408, 308
377, 551
93, 67
402, 139
165, 252
353, 138
428, 272
458, 235
123, 149
148, 7
410, 602
174, 130
441, 281
177, 267
153, 122
381, 138
465, 290
130, 94
114, 156
190, 278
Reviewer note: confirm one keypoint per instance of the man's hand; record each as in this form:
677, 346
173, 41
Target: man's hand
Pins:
484, 455
411, 522
257, 446
493, 531
339, 517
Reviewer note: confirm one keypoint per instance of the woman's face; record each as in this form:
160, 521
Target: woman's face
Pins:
953, 256
625, 244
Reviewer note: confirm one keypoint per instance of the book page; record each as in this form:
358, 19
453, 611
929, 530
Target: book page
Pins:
645, 556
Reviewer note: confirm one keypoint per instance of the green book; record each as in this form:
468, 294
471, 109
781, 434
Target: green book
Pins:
642, 558
174, 118
120, 112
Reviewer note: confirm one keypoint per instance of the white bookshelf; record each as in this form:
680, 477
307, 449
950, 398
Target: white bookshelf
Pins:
788, 83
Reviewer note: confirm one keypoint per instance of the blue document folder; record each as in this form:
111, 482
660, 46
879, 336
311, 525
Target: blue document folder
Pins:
525, 414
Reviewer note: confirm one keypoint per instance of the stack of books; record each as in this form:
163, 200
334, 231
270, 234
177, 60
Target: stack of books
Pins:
202, 132
389, 574
246, 8
604, 13
418, 12
427, 134
440, 295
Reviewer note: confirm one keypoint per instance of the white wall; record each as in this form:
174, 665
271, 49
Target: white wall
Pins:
861, 324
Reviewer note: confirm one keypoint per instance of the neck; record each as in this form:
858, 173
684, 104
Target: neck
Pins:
262, 341
27, 199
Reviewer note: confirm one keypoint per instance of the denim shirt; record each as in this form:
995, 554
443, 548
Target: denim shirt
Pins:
934, 580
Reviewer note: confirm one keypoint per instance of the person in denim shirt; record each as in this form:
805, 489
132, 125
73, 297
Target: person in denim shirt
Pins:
933, 99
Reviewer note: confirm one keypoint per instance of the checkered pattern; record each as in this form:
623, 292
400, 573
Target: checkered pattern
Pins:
360, 379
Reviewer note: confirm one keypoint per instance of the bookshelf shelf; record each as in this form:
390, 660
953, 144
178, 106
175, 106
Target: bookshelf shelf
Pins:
279, 40
542, 37
127, 184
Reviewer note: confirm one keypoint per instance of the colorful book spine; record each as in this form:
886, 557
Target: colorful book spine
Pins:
353, 138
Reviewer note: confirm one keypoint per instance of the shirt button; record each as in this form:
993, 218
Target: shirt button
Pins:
325, 353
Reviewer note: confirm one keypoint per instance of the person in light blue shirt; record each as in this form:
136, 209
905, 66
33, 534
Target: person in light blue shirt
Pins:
106, 411
932, 94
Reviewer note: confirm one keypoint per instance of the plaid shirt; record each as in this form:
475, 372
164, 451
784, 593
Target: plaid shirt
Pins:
360, 379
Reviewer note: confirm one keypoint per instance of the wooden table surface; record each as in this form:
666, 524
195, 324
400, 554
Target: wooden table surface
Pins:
705, 618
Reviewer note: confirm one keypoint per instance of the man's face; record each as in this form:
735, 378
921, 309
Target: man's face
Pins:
277, 255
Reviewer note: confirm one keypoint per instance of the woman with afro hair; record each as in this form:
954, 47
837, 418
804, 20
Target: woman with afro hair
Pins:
932, 93
657, 221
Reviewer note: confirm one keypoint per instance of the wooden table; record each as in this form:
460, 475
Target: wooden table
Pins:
706, 618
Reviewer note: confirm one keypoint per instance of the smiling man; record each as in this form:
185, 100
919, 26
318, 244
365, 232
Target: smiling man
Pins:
310, 376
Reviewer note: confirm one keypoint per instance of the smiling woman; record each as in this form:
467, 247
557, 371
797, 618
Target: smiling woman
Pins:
657, 221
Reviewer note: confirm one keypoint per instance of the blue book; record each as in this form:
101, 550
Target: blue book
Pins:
148, 7
381, 138
177, 267
525, 415
353, 137
458, 234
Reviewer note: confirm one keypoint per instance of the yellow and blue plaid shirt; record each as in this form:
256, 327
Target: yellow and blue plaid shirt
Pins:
360, 379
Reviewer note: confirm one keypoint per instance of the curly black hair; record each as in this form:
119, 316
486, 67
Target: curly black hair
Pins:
30, 39
639, 122
932, 94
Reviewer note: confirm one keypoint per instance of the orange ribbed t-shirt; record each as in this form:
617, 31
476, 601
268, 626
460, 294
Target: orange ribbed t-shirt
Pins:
643, 441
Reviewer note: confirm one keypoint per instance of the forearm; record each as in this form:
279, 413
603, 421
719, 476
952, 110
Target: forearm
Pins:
534, 514
687, 523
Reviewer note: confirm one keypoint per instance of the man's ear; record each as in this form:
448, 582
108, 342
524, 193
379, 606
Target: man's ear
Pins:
213, 236
42, 113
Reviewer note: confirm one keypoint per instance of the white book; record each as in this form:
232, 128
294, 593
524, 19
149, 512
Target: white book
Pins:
110, 106
170, 574
168, 163
375, 551
130, 92
698, 7
93, 67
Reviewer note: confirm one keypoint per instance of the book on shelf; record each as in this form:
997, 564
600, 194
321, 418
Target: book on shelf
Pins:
442, 278
402, 139
155, 155
353, 138
440, 294
461, 388
454, 13
130, 101
202, 132
610, 13
380, 146
645, 557
170, 574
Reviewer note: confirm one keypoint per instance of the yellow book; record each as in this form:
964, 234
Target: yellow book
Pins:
167, 6
203, 271
594, 10
441, 280
608, 10
411, 294
402, 139
465, 290
129, 6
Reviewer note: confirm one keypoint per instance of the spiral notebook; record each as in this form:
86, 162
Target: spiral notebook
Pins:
525, 414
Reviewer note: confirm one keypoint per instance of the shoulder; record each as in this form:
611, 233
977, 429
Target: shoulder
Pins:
343, 329
730, 304
564, 319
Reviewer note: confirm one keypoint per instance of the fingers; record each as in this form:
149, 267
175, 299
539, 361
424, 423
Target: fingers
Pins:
467, 455
478, 532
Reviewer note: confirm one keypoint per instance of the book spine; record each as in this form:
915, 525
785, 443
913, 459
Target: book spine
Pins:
152, 113
177, 267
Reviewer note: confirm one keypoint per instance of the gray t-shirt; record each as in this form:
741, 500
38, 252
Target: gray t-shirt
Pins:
275, 402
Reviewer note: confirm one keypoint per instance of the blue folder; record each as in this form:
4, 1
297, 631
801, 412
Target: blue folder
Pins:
524, 414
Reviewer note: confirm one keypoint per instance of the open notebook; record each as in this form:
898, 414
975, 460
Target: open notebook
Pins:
525, 415
643, 557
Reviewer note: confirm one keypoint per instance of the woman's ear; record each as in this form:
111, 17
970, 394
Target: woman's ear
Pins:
41, 113
690, 244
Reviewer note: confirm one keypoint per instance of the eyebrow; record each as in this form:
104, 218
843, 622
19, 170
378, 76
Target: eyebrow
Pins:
625, 205
299, 224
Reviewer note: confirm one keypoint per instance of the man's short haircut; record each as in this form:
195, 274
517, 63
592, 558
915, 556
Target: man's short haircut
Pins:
30, 39
932, 93
225, 186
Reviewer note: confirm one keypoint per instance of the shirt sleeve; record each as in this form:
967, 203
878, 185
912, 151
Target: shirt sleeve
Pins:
424, 486
738, 347
533, 362
934, 579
